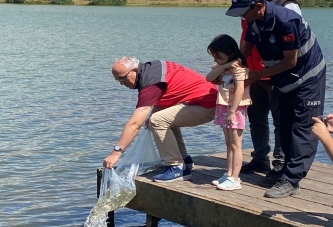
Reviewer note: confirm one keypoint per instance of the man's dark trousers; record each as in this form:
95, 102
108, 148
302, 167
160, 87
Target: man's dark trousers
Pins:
298, 142
264, 99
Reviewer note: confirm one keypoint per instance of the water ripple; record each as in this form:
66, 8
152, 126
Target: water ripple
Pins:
61, 111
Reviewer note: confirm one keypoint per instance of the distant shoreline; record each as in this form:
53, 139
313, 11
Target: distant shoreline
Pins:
155, 3
162, 3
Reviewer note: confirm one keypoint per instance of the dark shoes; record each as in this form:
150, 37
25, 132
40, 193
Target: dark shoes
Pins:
272, 176
189, 162
271, 179
256, 165
283, 188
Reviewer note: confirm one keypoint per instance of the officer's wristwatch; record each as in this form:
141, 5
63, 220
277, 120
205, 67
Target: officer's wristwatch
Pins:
118, 149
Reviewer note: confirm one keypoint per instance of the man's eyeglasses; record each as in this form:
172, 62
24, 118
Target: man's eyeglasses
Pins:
121, 78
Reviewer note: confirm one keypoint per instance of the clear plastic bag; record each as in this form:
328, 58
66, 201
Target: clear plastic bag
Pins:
142, 154
118, 185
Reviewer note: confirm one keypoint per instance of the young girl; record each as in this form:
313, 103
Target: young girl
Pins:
232, 101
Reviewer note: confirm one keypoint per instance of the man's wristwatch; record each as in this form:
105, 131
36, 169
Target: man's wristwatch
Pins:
118, 149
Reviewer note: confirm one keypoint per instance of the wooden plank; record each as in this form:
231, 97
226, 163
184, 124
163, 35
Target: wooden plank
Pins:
198, 197
322, 190
221, 162
180, 206
253, 179
249, 193
297, 202
322, 167
317, 171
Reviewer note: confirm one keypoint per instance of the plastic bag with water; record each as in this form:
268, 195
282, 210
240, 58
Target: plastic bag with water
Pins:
118, 185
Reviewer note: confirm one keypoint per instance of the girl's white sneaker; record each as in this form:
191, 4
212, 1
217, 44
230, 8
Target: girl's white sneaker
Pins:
230, 184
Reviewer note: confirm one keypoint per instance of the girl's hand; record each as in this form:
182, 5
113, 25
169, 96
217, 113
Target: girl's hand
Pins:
230, 118
215, 66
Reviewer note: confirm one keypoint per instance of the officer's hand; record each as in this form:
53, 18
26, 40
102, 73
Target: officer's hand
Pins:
253, 77
111, 159
217, 81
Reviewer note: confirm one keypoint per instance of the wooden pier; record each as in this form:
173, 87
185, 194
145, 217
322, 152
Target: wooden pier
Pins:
197, 203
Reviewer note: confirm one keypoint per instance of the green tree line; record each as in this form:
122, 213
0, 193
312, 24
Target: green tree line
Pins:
316, 3
304, 3
71, 2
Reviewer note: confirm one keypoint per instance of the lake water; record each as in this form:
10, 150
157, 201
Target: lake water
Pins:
61, 111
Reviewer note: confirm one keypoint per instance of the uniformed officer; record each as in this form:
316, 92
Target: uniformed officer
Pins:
294, 61
264, 100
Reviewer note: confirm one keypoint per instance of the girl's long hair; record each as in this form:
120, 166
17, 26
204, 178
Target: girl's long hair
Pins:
227, 45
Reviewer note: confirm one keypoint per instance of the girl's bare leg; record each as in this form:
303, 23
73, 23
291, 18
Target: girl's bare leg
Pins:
229, 150
235, 137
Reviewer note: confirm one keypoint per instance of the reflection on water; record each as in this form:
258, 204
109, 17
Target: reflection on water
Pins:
61, 111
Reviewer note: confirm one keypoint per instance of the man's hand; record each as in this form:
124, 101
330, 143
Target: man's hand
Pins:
217, 81
132, 127
253, 77
111, 159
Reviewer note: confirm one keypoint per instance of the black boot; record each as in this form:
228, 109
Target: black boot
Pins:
271, 178
256, 165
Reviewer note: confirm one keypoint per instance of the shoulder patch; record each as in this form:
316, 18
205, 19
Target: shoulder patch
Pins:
288, 38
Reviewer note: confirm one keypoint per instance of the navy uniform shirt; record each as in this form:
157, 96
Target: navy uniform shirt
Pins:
282, 30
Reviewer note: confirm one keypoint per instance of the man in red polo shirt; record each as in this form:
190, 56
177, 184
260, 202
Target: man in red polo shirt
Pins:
176, 97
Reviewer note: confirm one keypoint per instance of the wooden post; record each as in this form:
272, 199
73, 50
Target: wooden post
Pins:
99, 179
152, 221
110, 220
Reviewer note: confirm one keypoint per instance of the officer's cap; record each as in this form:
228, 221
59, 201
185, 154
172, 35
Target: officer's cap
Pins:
239, 7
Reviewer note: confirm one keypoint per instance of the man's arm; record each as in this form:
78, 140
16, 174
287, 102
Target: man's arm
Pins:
131, 129
289, 61
246, 48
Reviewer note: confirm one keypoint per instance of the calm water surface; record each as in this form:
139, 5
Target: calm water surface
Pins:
61, 111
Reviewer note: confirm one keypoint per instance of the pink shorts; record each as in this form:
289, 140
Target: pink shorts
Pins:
222, 112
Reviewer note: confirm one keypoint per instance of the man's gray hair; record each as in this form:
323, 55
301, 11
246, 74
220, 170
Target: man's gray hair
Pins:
129, 62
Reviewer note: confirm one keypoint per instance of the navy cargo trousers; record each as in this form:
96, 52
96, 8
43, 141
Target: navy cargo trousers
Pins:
297, 141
